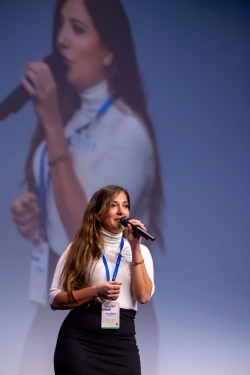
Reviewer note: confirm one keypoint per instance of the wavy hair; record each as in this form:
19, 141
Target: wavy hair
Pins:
84, 251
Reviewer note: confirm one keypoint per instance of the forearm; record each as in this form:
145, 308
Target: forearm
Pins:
69, 196
63, 302
141, 283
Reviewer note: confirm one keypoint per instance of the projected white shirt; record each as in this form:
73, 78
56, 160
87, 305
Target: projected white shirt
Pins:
119, 151
111, 251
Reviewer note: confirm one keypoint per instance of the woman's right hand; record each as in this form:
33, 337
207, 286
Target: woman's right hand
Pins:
25, 213
40, 84
109, 290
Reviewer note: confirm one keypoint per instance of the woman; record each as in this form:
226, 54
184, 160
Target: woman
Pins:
81, 281
93, 130
96, 62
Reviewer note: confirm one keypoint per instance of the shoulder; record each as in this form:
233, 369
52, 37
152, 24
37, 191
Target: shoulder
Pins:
145, 251
127, 250
130, 123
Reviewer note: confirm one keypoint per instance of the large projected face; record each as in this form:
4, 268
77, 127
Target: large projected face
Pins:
83, 52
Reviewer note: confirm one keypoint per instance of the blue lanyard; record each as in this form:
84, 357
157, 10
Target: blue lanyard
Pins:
118, 261
106, 105
42, 188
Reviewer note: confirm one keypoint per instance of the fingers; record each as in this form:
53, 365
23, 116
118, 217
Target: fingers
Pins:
114, 290
109, 290
137, 223
25, 218
38, 78
25, 214
25, 203
28, 86
27, 230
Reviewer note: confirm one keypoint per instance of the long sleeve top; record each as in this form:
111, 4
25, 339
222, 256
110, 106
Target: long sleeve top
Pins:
111, 251
118, 151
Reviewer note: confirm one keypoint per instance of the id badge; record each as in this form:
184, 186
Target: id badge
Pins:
39, 272
110, 315
82, 141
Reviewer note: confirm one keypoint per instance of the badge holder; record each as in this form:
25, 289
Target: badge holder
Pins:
39, 271
110, 315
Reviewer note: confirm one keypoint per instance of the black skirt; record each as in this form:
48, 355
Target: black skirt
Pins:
84, 348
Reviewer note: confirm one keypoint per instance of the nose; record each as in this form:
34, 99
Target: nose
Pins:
120, 210
63, 38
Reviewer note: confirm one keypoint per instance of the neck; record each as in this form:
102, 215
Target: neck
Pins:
94, 97
101, 87
111, 237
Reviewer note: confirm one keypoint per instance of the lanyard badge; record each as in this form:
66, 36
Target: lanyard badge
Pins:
40, 247
111, 309
38, 280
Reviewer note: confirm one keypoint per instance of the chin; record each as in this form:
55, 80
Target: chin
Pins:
72, 81
116, 230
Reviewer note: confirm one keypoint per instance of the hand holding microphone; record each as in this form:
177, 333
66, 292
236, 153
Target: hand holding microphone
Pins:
20, 95
136, 229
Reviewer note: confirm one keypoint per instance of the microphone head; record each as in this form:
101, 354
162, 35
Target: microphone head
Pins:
56, 65
124, 221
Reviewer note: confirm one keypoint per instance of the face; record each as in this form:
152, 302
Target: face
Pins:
119, 207
85, 56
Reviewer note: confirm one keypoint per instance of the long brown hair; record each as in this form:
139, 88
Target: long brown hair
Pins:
84, 251
112, 25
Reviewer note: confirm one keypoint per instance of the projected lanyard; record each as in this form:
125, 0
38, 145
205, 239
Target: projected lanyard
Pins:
111, 309
40, 251
42, 188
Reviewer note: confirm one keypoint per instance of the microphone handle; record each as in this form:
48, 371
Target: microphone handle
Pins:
142, 233
19, 96
125, 221
14, 101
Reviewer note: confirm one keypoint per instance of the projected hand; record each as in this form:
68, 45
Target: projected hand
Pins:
41, 86
25, 213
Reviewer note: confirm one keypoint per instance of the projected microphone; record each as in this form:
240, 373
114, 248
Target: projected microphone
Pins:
19, 96
124, 221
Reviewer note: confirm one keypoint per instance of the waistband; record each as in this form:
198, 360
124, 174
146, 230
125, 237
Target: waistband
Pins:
94, 306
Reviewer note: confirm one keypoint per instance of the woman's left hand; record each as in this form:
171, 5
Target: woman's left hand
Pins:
134, 238
40, 84
141, 283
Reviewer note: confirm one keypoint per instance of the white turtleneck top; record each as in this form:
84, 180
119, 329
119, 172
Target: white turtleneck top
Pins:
111, 251
118, 151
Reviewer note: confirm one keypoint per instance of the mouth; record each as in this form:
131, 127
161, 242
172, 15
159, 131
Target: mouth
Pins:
66, 61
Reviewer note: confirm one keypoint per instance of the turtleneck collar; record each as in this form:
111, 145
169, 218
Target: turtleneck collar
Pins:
111, 238
93, 98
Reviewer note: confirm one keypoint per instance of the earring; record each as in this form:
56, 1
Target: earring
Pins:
106, 62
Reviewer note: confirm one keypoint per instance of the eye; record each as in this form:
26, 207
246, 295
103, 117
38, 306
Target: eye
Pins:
78, 29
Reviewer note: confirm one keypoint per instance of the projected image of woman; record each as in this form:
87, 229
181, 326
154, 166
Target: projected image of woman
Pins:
93, 130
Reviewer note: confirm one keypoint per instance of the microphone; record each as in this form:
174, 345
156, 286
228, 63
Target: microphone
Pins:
124, 221
19, 96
